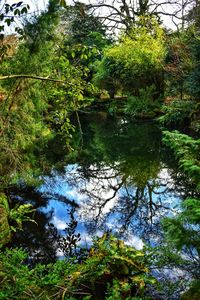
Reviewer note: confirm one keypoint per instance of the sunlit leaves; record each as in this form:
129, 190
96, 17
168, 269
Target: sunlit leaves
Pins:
20, 214
130, 63
12, 219
5, 233
111, 268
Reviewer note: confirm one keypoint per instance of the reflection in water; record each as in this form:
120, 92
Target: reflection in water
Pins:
121, 180
108, 201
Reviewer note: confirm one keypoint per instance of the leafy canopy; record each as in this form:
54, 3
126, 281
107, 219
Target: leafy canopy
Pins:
135, 61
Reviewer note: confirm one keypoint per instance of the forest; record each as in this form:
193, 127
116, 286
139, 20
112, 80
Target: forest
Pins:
100, 150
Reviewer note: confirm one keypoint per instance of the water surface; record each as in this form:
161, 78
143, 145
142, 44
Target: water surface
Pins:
120, 178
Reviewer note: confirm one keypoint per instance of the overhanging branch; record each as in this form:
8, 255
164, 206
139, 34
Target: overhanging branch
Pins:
34, 77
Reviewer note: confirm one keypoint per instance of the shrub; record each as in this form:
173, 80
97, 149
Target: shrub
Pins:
134, 63
111, 269
141, 104
187, 151
176, 113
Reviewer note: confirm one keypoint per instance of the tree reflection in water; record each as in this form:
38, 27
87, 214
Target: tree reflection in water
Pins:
40, 239
121, 179
113, 201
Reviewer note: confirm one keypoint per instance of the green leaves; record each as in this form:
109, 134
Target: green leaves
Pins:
19, 214
5, 233
114, 262
10, 11
182, 231
11, 219
177, 113
187, 151
192, 210
130, 63
15, 216
112, 269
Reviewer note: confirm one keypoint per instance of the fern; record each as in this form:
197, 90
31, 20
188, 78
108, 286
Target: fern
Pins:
19, 214
187, 151
11, 220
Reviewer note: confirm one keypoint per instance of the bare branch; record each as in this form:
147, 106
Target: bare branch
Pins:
125, 12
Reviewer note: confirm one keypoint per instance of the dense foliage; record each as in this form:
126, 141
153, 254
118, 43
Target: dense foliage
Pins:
61, 62
187, 150
111, 271
182, 231
136, 62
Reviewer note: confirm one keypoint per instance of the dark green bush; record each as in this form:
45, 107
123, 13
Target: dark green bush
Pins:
177, 113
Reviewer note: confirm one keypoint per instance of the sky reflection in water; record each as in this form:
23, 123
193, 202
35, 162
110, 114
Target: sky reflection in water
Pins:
121, 179
108, 202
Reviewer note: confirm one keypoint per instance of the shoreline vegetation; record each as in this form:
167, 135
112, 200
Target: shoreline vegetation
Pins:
65, 62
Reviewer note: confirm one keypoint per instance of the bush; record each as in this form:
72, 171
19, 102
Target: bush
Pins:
136, 62
176, 113
141, 104
187, 151
112, 269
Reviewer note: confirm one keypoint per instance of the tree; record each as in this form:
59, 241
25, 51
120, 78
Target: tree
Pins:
136, 62
123, 14
194, 76
192, 16
83, 40
182, 69
9, 13
178, 64
79, 25
32, 110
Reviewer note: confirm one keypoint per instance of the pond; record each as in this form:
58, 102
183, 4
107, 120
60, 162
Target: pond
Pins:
120, 178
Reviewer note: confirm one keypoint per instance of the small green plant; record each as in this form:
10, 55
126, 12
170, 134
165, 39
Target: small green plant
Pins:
11, 219
176, 113
141, 104
112, 270
112, 109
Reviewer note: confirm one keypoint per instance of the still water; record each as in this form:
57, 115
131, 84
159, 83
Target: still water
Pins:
120, 178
